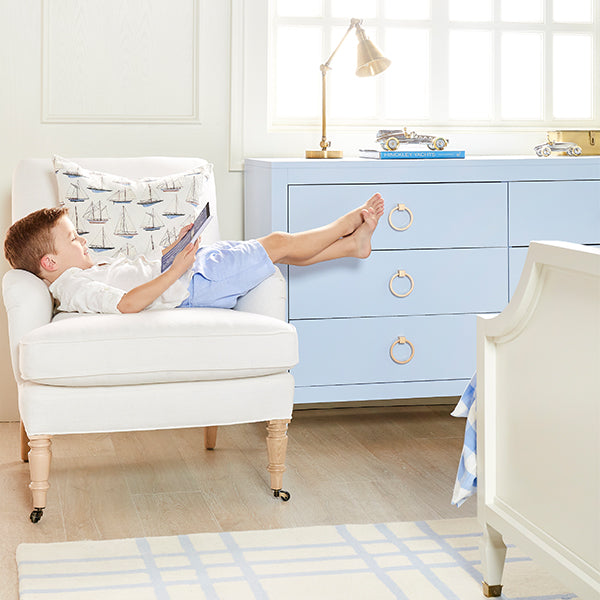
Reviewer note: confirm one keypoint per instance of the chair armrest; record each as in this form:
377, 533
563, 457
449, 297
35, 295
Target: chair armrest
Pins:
29, 305
268, 298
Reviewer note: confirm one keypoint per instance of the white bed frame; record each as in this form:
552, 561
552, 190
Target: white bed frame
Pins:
538, 420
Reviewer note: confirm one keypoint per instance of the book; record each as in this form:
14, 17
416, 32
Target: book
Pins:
200, 224
395, 154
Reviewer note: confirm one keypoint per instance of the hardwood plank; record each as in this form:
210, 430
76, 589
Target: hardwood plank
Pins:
343, 466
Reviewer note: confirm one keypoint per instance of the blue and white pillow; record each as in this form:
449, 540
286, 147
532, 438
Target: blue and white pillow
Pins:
118, 215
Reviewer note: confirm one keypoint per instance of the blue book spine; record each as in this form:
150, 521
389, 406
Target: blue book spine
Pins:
388, 154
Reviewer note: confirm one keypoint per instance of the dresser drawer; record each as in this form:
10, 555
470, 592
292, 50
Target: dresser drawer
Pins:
427, 215
349, 351
423, 282
554, 210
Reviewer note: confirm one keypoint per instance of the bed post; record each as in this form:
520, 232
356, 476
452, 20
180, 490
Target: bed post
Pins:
493, 555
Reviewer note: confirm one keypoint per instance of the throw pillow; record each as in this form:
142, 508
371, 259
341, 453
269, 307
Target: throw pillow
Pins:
118, 215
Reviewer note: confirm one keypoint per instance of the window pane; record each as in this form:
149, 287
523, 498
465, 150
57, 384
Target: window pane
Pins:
297, 76
408, 10
470, 10
521, 75
358, 9
522, 11
407, 80
350, 97
572, 76
470, 75
306, 8
572, 11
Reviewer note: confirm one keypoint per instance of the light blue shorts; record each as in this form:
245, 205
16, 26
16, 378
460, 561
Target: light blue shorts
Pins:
224, 271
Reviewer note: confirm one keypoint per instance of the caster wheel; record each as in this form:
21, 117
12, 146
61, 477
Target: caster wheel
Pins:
36, 514
285, 496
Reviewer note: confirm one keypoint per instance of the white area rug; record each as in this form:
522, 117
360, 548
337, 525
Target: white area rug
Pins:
424, 560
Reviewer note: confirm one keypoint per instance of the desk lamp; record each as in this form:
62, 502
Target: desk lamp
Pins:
370, 61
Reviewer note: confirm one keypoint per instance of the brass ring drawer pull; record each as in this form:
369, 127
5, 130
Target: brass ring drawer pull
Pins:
400, 208
402, 274
402, 340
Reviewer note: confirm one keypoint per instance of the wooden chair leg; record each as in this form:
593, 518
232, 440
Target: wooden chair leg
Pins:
210, 437
40, 456
276, 449
24, 444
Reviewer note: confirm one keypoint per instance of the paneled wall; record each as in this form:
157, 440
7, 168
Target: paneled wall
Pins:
114, 78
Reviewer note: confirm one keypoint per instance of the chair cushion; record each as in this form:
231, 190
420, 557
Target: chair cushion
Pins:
187, 344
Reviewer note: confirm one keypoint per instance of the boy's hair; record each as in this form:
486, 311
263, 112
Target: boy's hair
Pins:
30, 238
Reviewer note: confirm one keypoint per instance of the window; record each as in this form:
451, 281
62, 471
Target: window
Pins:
454, 62
495, 74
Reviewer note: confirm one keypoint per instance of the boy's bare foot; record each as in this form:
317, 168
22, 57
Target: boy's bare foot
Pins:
355, 219
363, 233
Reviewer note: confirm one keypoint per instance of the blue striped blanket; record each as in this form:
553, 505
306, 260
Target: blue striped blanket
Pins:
466, 478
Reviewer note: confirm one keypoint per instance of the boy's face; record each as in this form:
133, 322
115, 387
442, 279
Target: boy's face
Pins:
70, 249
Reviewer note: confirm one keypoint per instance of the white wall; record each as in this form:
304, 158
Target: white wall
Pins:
113, 78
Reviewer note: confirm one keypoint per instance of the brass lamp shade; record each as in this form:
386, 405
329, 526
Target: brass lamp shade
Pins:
369, 60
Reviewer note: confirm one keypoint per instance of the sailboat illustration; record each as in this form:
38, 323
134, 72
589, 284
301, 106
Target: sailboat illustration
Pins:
99, 188
175, 211
125, 227
151, 245
128, 250
96, 213
76, 194
192, 196
80, 230
71, 174
122, 196
171, 185
99, 243
150, 200
169, 237
153, 222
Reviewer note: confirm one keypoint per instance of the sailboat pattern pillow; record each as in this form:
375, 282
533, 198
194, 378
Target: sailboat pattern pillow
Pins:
117, 215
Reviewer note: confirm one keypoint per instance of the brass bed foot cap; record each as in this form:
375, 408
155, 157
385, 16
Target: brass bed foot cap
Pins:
491, 591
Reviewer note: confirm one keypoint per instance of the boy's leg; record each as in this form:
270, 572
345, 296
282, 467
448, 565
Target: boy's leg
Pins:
297, 248
357, 244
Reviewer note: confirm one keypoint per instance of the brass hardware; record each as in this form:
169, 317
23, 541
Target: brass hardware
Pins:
402, 274
400, 208
491, 591
402, 340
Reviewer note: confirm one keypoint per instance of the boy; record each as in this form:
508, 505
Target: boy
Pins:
46, 244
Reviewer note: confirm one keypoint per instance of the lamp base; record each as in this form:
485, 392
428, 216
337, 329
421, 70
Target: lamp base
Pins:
324, 154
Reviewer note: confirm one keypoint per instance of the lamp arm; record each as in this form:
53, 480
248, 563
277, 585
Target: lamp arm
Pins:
353, 23
324, 68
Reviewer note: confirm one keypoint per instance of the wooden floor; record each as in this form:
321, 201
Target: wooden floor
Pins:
343, 466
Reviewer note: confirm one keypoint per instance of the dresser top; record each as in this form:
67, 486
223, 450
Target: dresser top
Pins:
476, 168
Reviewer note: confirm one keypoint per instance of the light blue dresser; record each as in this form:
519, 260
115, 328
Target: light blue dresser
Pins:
451, 244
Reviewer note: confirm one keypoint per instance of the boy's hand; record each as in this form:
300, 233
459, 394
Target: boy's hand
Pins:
185, 259
182, 232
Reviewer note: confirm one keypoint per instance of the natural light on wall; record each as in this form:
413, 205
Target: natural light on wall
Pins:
461, 63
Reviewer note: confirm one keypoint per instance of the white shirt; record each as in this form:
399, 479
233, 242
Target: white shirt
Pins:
100, 288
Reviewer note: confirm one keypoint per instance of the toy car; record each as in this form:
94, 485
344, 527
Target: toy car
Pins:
546, 149
390, 139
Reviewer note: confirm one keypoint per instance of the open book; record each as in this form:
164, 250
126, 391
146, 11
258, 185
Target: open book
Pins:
202, 220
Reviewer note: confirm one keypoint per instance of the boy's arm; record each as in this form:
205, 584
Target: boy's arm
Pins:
142, 296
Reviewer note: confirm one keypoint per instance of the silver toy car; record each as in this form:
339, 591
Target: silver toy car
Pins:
390, 139
546, 149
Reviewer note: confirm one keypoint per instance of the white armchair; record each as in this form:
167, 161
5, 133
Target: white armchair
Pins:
166, 369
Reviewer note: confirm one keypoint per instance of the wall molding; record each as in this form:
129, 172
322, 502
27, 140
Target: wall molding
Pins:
51, 115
